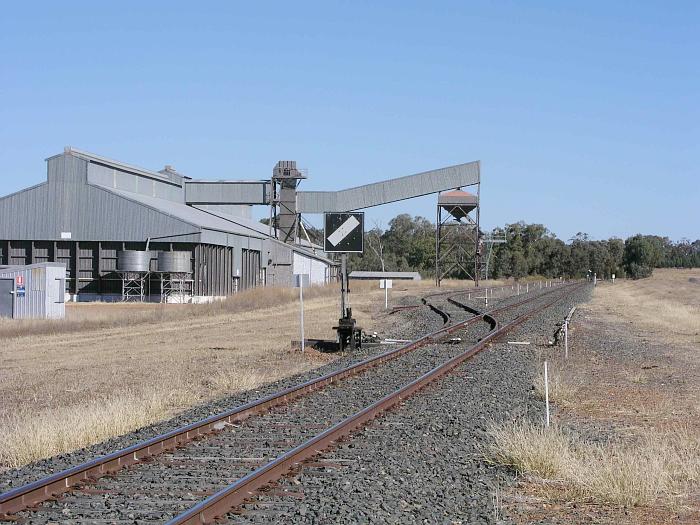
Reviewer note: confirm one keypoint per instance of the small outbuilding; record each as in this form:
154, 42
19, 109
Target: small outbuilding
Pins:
35, 291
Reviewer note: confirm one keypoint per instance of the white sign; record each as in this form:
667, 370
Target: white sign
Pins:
343, 231
385, 283
66, 235
301, 280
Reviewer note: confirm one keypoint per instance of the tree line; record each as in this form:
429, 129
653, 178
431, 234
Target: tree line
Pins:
408, 244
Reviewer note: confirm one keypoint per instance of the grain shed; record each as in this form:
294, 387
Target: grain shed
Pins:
93, 212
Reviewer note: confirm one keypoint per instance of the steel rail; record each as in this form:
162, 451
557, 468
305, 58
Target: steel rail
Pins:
233, 496
47, 488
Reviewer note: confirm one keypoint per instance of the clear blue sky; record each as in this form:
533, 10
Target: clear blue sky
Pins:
585, 118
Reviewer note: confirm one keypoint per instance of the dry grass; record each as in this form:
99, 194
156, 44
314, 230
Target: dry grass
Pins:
633, 372
657, 469
667, 304
81, 317
26, 438
562, 387
51, 432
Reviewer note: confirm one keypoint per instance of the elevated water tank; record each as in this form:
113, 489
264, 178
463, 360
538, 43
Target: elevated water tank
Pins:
134, 261
175, 262
458, 203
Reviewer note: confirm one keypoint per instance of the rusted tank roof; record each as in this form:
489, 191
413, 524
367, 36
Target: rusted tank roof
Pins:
458, 203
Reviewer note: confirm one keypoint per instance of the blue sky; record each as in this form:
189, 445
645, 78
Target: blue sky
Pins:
585, 116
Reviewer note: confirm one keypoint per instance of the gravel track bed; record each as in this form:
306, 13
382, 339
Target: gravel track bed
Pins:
224, 464
425, 461
408, 324
173, 482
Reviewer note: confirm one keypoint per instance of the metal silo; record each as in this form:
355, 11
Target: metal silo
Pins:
134, 267
175, 262
134, 261
175, 269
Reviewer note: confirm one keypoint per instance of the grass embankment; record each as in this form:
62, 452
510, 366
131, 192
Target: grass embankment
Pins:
627, 419
82, 317
659, 467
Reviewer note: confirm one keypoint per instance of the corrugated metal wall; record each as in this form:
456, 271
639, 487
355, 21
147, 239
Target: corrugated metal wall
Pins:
66, 207
315, 269
82, 225
218, 270
227, 192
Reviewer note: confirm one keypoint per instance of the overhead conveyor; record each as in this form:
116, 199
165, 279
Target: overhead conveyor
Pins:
392, 190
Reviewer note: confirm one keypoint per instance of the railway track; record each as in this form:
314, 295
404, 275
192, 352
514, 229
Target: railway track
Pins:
202, 471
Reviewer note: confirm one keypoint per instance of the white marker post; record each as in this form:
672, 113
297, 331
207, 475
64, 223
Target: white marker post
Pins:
386, 284
300, 284
566, 339
546, 395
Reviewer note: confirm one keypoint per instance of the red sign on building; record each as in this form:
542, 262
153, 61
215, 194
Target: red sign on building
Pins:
20, 280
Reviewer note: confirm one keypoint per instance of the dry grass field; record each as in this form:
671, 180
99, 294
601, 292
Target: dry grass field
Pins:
112, 368
631, 392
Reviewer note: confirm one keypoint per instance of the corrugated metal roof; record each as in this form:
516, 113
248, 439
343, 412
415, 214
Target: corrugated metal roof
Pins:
169, 176
214, 221
457, 193
197, 217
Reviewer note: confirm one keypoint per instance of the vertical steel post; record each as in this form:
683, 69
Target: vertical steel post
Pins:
437, 245
343, 283
301, 300
546, 395
477, 251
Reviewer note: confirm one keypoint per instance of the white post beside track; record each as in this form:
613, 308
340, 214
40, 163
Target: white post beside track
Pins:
546, 394
301, 300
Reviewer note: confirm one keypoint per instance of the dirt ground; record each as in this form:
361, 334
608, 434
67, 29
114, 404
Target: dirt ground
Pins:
634, 371
111, 368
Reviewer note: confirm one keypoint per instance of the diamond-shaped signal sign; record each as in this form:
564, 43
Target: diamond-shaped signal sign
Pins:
344, 232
